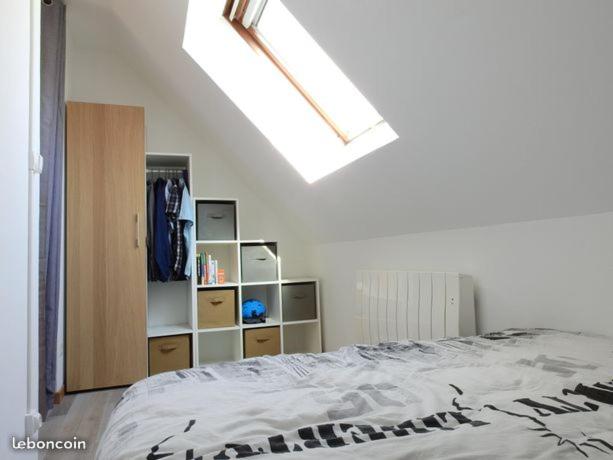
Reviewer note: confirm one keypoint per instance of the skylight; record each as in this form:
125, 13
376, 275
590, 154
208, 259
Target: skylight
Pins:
285, 83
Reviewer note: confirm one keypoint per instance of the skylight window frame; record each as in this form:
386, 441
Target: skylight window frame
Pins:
234, 12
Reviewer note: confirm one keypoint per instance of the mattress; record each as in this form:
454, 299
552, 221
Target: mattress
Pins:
517, 394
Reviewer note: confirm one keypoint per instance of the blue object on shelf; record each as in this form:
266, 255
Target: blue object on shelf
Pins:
254, 311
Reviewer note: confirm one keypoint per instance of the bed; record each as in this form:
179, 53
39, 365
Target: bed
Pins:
516, 394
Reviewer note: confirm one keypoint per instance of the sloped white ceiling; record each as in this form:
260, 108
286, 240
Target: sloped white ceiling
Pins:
504, 108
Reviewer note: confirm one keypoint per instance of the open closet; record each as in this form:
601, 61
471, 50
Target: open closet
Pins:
170, 294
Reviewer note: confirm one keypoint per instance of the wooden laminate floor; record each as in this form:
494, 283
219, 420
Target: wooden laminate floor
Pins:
83, 415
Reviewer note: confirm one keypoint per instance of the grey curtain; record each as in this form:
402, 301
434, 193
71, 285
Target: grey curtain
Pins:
52, 113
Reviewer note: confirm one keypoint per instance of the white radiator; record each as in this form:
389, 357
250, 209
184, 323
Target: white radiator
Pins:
401, 305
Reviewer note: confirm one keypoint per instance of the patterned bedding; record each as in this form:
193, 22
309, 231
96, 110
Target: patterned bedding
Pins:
518, 394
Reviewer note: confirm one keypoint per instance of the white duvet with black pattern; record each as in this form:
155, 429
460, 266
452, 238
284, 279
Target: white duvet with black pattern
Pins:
519, 394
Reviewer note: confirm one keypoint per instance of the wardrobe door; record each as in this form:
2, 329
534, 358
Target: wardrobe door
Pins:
106, 335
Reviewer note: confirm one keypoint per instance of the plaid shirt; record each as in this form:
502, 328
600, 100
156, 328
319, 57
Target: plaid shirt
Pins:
179, 252
174, 203
176, 227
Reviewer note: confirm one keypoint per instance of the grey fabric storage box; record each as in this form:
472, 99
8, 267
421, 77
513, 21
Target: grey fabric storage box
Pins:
216, 220
259, 262
299, 301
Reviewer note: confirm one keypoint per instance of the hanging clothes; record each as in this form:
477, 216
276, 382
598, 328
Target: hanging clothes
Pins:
161, 232
152, 274
173, 207
186, 217
169, 227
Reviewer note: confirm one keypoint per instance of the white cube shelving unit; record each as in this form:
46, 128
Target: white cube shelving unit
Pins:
173, 306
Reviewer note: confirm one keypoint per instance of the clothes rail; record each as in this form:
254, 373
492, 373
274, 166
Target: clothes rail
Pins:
166, 170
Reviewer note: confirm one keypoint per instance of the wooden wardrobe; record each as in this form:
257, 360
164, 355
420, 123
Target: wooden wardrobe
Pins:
106, 319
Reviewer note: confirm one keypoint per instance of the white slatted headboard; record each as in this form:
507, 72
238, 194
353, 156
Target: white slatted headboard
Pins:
401, 305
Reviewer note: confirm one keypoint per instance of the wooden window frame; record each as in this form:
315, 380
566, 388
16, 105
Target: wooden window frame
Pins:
251, 36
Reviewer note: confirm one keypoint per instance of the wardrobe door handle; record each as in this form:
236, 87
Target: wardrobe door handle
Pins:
137, 223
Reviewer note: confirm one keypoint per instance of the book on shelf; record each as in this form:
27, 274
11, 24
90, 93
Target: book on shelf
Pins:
208, 270
198, 269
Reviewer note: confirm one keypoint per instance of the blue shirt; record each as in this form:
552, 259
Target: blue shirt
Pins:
186, 214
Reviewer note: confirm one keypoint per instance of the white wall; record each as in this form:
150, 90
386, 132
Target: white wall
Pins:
552, 273
14, 133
